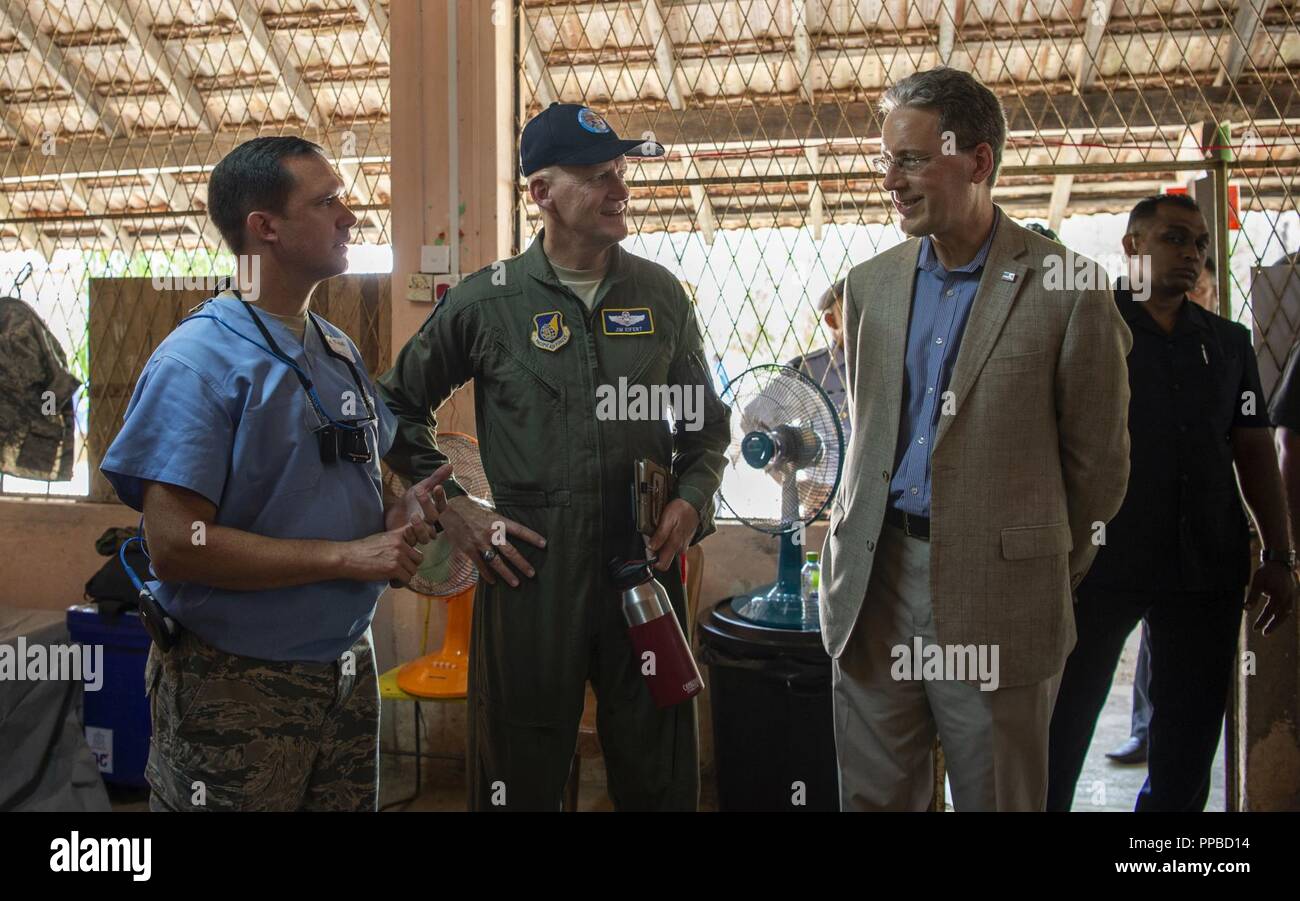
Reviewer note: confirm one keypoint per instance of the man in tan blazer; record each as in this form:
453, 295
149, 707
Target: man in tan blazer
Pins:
989, 398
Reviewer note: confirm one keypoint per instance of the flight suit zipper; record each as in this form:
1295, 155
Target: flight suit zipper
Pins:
588, 344
593, 368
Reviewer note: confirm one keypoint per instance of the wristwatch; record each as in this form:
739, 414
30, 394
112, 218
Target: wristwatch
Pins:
1268, 555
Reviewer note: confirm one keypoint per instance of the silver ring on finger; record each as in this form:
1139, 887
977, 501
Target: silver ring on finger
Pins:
490, 554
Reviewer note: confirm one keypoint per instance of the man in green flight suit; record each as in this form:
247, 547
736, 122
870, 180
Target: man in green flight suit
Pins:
570, 346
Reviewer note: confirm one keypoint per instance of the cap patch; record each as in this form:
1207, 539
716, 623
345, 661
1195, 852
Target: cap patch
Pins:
592, 121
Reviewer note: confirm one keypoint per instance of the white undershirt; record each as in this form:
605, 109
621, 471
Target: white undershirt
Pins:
295, 324
583, 282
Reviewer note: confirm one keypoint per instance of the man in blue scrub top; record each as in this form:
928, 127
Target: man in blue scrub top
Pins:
252, 446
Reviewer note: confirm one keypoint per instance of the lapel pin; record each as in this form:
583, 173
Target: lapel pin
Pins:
1008, 276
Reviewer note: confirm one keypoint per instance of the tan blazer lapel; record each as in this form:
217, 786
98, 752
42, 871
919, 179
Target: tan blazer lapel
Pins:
1003, 278
895, 308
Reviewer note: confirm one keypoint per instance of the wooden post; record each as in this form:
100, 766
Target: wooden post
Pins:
422, 148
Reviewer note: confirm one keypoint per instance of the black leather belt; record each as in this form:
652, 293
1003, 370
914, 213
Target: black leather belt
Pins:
912, 525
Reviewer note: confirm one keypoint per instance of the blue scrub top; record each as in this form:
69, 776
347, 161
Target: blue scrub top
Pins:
217, 415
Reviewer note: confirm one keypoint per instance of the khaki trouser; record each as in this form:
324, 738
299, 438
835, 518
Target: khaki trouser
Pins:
234, 733
994, 742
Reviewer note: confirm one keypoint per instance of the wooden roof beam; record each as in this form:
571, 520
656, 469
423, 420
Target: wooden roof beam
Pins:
15, 15
31, 237
1098, 17
655, 32
373, 14
70, 185
355, 183
178, 86
1098, 12
278, 64
803, 54
816, 200
178, 196
1240, 34
146, 153
539, 74
705, 218
1027, 115
95, 206
951, 15
31, 234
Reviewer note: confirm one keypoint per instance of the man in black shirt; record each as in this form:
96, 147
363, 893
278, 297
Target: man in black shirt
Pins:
1177, 553
1134, 749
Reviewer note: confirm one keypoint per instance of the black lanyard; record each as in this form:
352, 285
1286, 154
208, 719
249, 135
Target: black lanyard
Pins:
302, 377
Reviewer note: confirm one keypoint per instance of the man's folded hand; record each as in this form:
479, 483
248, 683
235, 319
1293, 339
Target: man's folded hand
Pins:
677, 527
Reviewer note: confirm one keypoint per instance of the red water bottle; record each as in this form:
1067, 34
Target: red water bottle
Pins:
663, 656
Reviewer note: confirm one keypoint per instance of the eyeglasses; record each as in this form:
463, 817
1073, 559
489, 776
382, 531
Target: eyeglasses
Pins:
907, 163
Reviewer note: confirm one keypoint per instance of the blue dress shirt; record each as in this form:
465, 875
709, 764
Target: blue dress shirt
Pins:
941, 304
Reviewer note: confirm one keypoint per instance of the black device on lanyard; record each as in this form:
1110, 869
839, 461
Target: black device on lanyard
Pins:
346, 438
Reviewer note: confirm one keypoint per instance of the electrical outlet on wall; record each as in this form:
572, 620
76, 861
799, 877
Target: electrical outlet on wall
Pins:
419, 287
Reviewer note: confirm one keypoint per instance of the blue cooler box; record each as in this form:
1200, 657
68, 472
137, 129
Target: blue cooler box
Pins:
117, 715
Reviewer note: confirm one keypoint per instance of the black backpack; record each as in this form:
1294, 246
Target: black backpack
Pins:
111, 587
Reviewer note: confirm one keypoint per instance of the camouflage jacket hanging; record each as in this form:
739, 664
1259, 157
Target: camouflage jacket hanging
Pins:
36, 390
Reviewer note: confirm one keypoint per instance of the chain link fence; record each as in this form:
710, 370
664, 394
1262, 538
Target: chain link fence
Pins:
768, 110
113, 112
112, 115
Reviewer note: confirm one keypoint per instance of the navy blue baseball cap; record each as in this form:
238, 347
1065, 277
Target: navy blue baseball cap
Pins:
569, 134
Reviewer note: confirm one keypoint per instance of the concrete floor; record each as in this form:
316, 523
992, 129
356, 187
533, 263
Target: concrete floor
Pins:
1103, 785
444, 787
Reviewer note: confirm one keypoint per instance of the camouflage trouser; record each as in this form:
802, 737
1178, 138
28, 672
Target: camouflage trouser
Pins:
234, 733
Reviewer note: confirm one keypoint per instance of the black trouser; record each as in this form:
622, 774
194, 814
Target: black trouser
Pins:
1193, 638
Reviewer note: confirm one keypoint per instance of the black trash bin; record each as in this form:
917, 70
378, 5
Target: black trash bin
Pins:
773, 732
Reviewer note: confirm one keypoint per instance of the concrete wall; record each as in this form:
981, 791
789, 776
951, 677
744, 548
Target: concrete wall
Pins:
47, 549
1268, 717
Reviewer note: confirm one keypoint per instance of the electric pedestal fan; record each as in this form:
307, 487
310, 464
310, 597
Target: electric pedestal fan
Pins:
784, 466
445, 573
